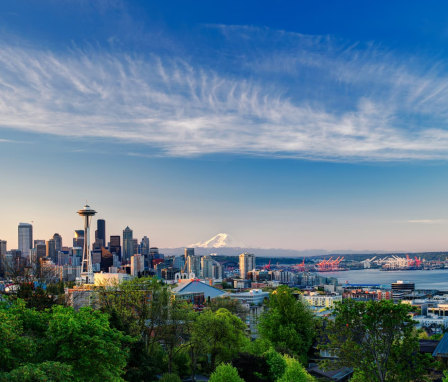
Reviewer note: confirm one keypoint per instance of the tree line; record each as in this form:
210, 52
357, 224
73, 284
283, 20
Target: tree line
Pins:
139, 332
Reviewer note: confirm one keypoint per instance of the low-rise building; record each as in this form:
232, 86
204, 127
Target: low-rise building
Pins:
322, 301
196, 285
431, 320
253, 297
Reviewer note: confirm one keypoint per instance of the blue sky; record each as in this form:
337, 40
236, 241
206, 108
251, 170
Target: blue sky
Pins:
290, 124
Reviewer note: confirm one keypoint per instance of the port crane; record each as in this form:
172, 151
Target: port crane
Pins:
329, 265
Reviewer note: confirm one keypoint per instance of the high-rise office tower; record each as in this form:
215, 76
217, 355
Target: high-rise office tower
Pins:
128, 245
78, 240
206, 267
194, 265
210, 268
57, 242
41, 250
2, 257
101, 231
135, 246
179, 262
38, 242
3, 247
115, 245
247, 264
51, 250
217, 270
188, 252
25, 239
107, 260
145, 246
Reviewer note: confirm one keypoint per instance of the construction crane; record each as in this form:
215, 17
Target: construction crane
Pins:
329, 265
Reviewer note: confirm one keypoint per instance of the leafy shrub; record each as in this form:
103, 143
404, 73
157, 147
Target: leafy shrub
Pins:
225, 373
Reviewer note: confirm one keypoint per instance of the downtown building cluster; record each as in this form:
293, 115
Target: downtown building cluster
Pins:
123, 255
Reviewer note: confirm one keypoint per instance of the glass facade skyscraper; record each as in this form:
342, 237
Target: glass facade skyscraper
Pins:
25, 239
128, 245
101, 231
57, 242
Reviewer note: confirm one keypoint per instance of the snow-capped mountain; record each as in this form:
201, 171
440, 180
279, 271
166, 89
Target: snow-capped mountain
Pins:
221, 240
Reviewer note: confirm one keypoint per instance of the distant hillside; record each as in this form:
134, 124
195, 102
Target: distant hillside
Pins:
263, 252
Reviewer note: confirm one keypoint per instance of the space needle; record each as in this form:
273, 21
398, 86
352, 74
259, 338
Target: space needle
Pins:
86, 266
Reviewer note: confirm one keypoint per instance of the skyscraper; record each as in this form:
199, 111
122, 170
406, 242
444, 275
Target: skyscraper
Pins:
134, 246
145, 246
51, 250
40, 251
115, 245
25, 239
128, 245
57, 242
206, 267
188, 252
3, 247
2, 257
78, 240
210, 268
247, 263
194, 265
101, 231
107, 260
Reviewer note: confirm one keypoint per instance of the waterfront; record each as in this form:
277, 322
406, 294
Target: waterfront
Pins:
423, 279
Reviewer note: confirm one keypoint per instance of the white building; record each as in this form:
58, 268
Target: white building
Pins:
137, 264
110, 279
430, 320
253, 297
322, 301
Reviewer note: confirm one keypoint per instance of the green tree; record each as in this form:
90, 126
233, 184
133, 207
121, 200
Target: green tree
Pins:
16, 347
140, 308
175, 330
169, 377
295, 372
58, 342
252, 368
225, 373
137, 307
376, 338
42, 372
35, 297
276, 363
288, 324
232, 305
85, 340
219, 334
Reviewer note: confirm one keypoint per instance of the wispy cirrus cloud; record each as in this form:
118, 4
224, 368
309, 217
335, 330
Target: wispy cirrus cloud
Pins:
428, 221
295, 96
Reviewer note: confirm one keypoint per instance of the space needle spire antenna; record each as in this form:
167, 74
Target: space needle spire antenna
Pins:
86, 266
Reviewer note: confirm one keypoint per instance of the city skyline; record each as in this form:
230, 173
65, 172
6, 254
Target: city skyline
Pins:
287, 125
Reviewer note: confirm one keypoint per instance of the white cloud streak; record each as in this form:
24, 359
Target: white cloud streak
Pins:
428, 221
397, 111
